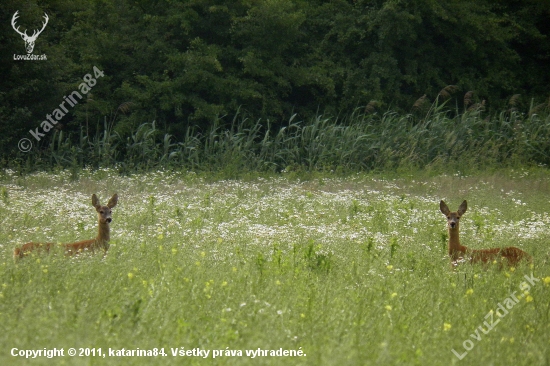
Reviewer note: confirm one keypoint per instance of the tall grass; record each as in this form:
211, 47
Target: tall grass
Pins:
357, 142
352, 271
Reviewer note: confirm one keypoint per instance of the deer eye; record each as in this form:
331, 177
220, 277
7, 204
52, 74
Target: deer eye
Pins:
101, 211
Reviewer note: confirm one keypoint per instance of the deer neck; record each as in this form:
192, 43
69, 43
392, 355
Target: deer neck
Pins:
455, 249
103, 235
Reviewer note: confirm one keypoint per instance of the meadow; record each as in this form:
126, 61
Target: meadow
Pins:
349, 270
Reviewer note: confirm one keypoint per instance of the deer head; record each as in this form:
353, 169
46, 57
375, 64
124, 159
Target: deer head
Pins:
453, 217
29, 41
104, 212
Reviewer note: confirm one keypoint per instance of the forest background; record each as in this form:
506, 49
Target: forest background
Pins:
270, 85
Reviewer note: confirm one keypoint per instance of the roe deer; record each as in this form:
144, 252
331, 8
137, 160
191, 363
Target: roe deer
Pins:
100, 242
460, 253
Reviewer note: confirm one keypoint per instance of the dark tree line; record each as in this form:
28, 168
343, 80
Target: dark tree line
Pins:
185, 63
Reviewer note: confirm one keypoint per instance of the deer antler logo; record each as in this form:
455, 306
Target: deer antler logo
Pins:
29, 41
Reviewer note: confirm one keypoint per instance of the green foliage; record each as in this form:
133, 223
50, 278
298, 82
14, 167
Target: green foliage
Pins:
440, 139
188, 64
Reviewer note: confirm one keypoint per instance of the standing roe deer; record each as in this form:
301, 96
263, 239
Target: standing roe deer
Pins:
460, 253
100, 242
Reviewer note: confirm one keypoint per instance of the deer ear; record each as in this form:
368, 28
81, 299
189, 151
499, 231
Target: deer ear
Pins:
444, 208
463, 207
95, 201
113, 201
